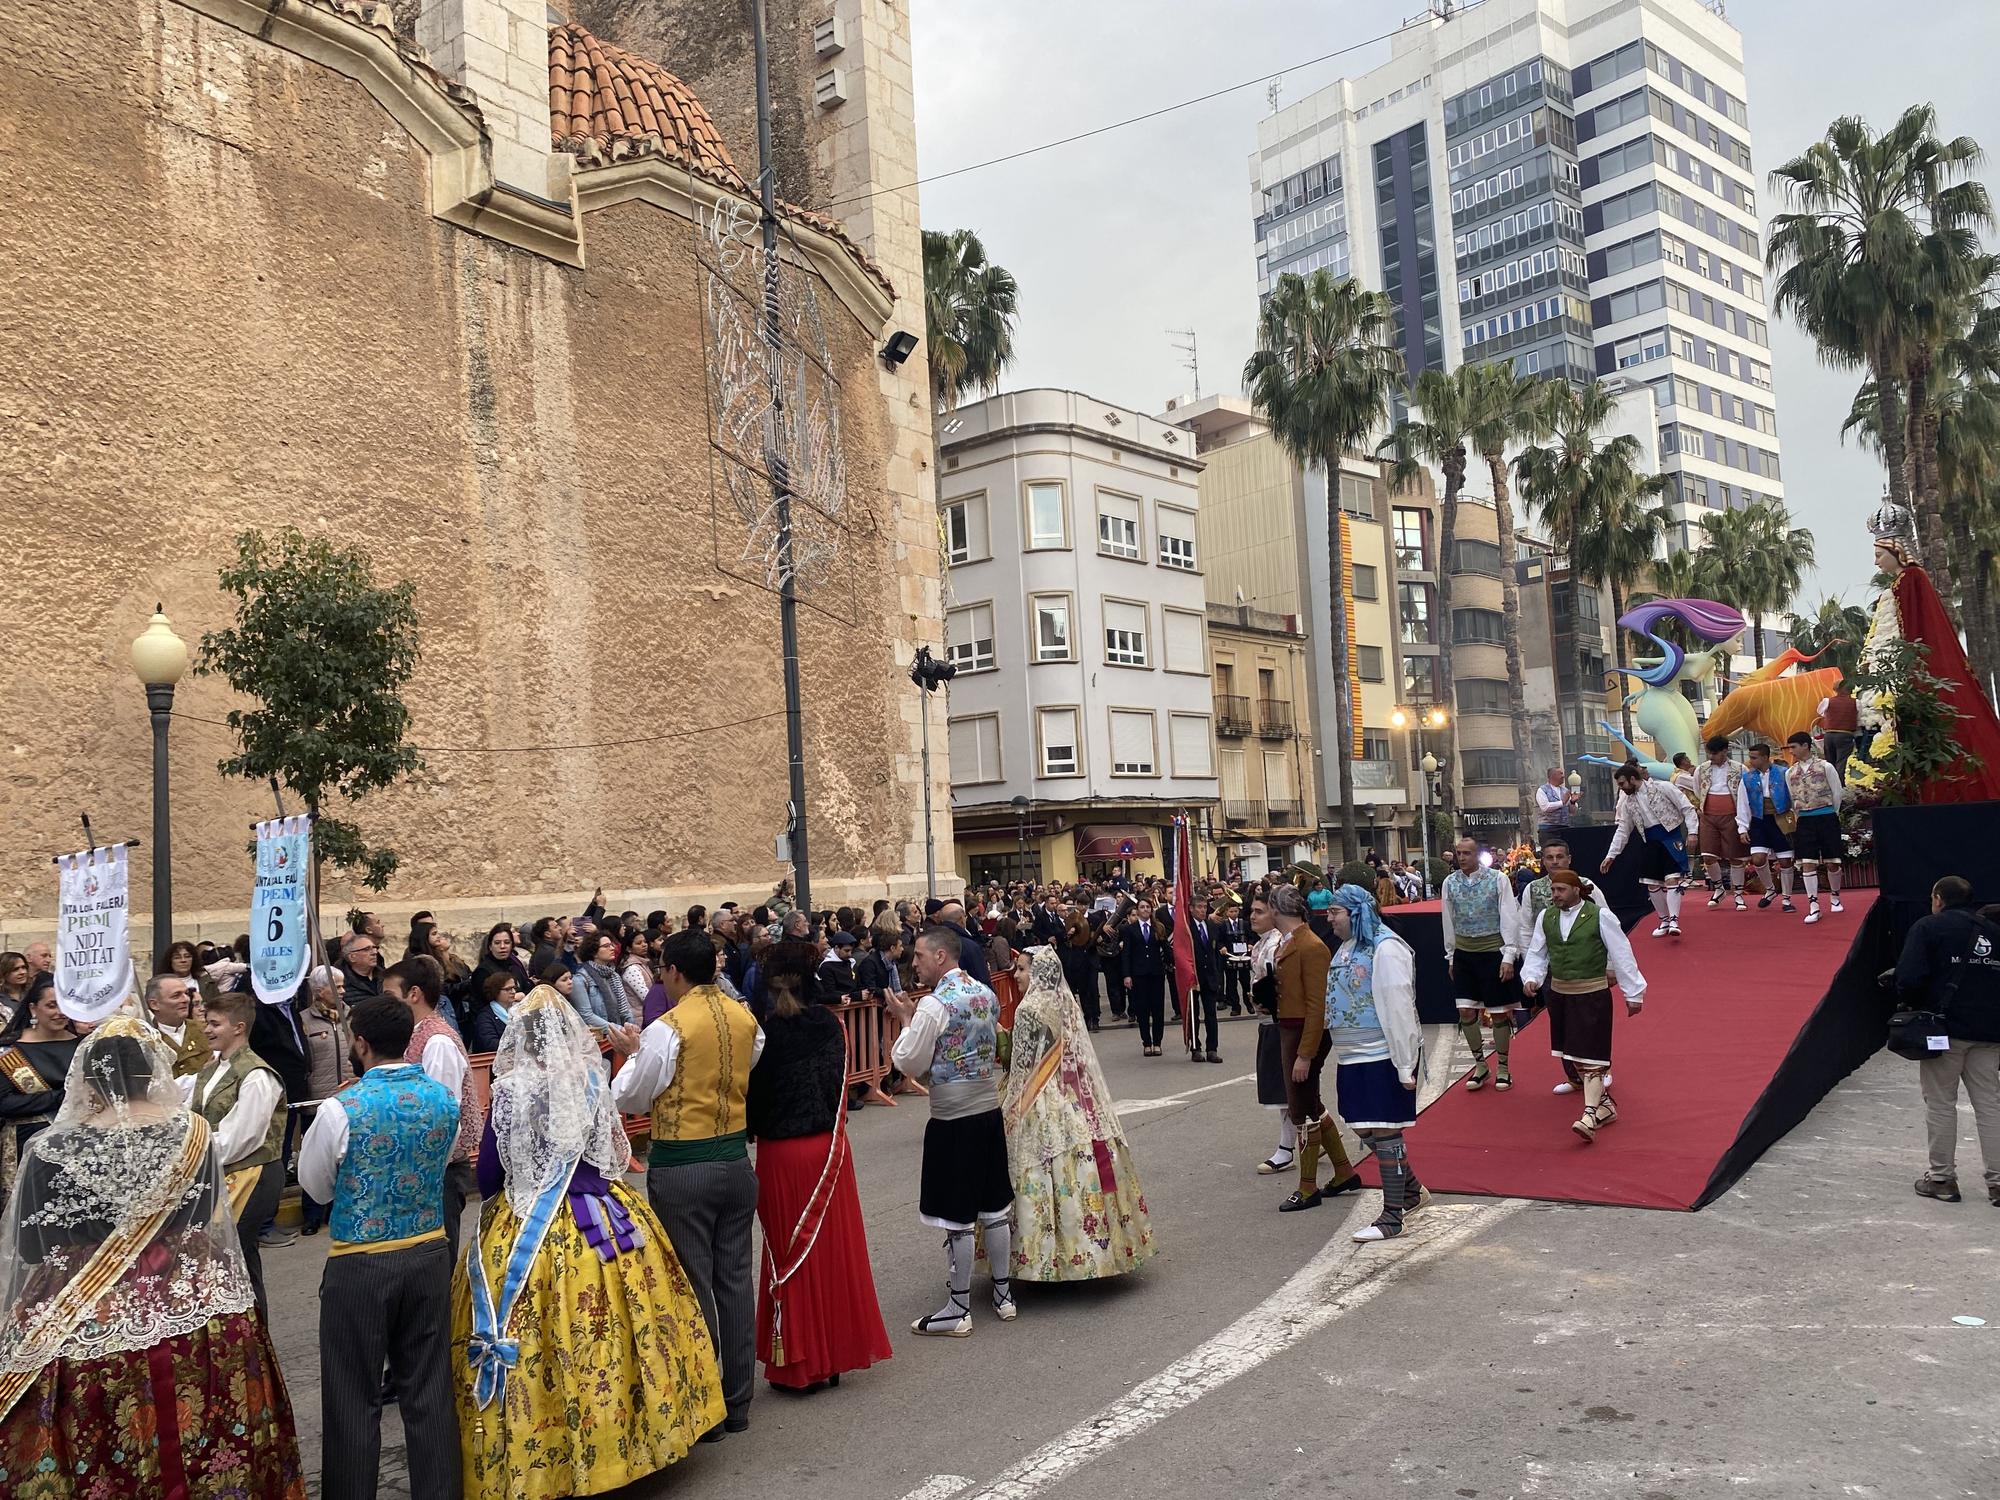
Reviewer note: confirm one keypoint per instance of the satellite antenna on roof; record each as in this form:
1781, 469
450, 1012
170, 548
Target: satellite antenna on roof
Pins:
1190, 359
1275, 92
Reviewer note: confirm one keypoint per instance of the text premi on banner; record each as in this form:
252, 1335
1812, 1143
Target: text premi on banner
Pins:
280, 939
93, 939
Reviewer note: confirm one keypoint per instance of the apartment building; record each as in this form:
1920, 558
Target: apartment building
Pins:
1081, 718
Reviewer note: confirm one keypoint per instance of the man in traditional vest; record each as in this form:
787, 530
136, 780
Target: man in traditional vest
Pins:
435, 1048
1840, 719
1577, 948
169, 997
953, 1034
377, 1152
1817, 842
1537, 897
243, 1100
1762, 797
1481, 945
1723, 848
690, 1070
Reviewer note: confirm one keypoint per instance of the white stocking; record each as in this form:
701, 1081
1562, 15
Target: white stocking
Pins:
1000, 1255
1785, 880
1288, 1132
1673, 901
1810, 875
1833, 878
1659, 899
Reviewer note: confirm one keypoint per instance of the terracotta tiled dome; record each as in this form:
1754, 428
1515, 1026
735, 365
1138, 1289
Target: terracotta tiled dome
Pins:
605, 101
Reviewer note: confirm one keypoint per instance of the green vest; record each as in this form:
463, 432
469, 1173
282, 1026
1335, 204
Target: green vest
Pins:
222, 1099
1579, 962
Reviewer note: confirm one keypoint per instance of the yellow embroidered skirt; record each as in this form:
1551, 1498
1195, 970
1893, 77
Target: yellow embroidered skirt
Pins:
616, 1378
1080, 1216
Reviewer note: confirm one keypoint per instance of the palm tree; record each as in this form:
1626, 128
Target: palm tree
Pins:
1733, 565
1509, 408
1832, 634
1321, 375
1452, 408
1551, 475
1619, 526
1877, 245
970, 308
1763, 559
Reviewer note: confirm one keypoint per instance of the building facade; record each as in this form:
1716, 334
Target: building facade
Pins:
1081, 718
1269, 814
1565, 185
460, 288
1265, 548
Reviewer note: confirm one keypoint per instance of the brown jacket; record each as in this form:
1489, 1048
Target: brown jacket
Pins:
1302, 966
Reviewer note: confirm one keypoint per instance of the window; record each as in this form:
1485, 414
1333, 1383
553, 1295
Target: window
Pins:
1488, 767
965, 535
1118, 525
1413, 550
1048, 517
1481, 695
968, 638
975, 750
1477, 626
1413, 602
1478, 557
1055, 729
1183, 645
1051, 623
1176, 532
1189, 743
1375, 745
1357, 496
1124, 633
1132, 743
1367, 581
1371, 663
1278, 779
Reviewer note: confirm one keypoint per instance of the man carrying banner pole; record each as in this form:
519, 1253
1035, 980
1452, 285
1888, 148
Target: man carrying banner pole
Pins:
1186, 985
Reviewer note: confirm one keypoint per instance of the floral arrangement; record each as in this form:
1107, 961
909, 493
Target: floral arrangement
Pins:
1521, 857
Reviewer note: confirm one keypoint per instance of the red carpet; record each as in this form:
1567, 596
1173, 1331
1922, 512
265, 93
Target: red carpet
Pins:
1723, 1005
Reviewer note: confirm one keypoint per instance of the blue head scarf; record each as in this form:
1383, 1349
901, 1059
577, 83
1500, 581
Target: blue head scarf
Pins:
1362, 915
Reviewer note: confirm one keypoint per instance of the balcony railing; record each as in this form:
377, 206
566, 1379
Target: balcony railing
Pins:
1375, 776
1284, 815
1274, 719
1232, 715
1240, 814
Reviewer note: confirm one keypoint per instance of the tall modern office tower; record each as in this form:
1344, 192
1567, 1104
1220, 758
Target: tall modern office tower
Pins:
1565, 185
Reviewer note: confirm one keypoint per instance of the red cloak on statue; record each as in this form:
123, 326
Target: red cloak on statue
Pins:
1922, 615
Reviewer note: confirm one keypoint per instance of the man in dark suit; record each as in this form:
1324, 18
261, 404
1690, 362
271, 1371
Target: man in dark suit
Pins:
1049, 920
1147, 961
1233, 937
1207, 971
972, 954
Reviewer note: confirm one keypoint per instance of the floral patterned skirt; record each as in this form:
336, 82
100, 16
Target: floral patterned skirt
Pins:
203, 1415
1080, 1216
616, 1377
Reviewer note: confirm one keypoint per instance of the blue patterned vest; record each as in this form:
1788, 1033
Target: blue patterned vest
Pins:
400, 1128
1771, 784
1475, 910
967, 1047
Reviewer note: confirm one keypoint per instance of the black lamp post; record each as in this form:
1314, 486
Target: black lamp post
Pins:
1021, 823
160, 657
928, 673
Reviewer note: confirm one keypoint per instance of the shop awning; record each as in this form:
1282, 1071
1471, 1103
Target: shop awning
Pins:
1114, 841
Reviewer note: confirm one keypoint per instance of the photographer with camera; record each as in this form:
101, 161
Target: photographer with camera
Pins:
1950, 972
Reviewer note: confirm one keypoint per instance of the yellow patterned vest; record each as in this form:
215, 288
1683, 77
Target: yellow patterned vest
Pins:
699, 1116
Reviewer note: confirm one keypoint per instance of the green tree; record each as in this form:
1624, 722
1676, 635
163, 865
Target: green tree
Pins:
1452, 407
970, 309
1552, 472
1874, 251
1619, 529
1779, 557
1832, 634
1510, 409
1321, 376
326, 654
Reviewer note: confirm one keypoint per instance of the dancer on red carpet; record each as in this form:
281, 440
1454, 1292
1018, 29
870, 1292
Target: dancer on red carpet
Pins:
1536, 898
1659, 815
1815, 790
1723, 849
1577, 948
1764, 797
1482, 945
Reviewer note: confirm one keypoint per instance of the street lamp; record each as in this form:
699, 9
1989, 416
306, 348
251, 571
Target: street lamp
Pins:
1021, 823
927, 672
159, 657
1417, 720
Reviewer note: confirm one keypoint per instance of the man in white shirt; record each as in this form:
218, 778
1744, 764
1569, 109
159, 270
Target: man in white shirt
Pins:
1554, 803
1577, 948
243, 1100
436, 1048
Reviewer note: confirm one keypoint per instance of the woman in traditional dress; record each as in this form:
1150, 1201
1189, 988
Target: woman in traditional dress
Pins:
582, 1358
817, 1316
35, 1053
1078, 1210
131, 1360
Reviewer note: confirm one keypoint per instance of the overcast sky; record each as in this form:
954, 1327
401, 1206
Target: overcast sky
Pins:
1116, 239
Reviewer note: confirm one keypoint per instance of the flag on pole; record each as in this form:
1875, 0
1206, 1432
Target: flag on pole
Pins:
1183, 935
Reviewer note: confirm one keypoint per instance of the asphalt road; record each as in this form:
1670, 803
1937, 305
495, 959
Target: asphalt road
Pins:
1794, 1339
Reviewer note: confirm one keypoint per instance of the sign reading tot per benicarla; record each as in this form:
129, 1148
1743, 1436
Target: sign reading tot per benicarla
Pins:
93, 954
280, 942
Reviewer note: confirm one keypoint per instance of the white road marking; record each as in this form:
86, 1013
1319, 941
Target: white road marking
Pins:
939, 1487
1136, 1106
1337, 1280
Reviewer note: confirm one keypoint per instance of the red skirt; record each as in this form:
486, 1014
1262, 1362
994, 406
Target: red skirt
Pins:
832, 1321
